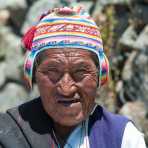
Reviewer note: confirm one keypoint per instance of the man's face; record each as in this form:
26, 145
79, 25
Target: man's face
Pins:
67, 80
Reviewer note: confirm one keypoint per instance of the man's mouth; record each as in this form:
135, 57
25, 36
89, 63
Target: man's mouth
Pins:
68, 101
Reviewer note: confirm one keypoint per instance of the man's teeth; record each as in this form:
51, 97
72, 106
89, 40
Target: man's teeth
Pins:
77, 96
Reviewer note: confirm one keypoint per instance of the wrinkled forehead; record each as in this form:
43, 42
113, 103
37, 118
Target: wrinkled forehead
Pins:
77, 54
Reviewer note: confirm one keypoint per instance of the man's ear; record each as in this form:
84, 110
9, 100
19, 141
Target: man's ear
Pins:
34, 79
98, 78
27, 85
34, 71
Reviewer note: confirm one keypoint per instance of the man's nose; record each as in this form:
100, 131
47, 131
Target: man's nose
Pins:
66, 86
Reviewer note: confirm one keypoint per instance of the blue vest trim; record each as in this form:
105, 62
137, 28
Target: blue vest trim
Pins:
106, 129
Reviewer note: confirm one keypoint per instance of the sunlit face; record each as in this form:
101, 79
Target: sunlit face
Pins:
67, 81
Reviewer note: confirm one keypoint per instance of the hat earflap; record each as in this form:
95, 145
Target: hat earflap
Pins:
104, 70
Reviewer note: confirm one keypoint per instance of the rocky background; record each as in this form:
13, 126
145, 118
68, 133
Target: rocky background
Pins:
124, 27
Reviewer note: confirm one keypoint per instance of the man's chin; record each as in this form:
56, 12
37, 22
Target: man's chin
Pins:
72, 121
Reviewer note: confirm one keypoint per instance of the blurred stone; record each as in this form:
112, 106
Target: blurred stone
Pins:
4, 16
136, 86
127, 69
107, 2
119, 86
100, 19
139, 13
10, 45
34, 92
97, 9
30, 2
140, 77
35, 11
121, 18
129, 37
12, 4
11, 96
136, 111
101, 5
86, 4
67, 2
2, 73
16, 9
3, 45
17, 18
141, 1
106, 98
142, 40
123, 2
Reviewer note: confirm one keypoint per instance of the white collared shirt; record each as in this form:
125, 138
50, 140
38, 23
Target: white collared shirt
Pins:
132, 138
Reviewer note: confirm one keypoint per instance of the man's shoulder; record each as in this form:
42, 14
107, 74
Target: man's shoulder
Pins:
10, 133
25, 109
30, 115
103, 114
18, 113
110, 121
25, 124
108, 126
114, 117
5, 123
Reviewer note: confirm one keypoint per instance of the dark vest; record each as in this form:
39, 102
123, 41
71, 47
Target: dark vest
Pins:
28, 126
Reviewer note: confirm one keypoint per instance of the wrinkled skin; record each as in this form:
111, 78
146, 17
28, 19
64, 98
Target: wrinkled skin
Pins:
67, 81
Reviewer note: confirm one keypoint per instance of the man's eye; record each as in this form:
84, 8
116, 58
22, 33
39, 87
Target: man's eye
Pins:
79, 75
80, 72
53, 74
51, 71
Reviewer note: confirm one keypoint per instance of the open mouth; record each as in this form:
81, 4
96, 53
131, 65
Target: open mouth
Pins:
68, 102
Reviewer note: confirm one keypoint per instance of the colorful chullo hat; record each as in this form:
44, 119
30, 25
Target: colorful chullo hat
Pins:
64, 28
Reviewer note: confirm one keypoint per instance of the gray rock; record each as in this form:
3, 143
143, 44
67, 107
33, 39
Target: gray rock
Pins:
3, 45
135, 84
122, 20
17, 18
17, 9
129, 37
140, 1
30, 2
136, 111
126, 1
13, 4
4, 16
106, 97
127, 69
86, 4
142, 40
2, 73
11, 96
140, 77
119, 86
100, 4
34, 92
10, 48
140, 13
67, 2
107, 2
35, 12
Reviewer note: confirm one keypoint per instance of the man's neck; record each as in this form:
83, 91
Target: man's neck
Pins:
62, 133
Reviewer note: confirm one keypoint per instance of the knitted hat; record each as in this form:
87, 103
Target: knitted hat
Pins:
64, 28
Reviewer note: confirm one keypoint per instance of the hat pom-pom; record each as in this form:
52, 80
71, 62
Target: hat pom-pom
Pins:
28, 38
